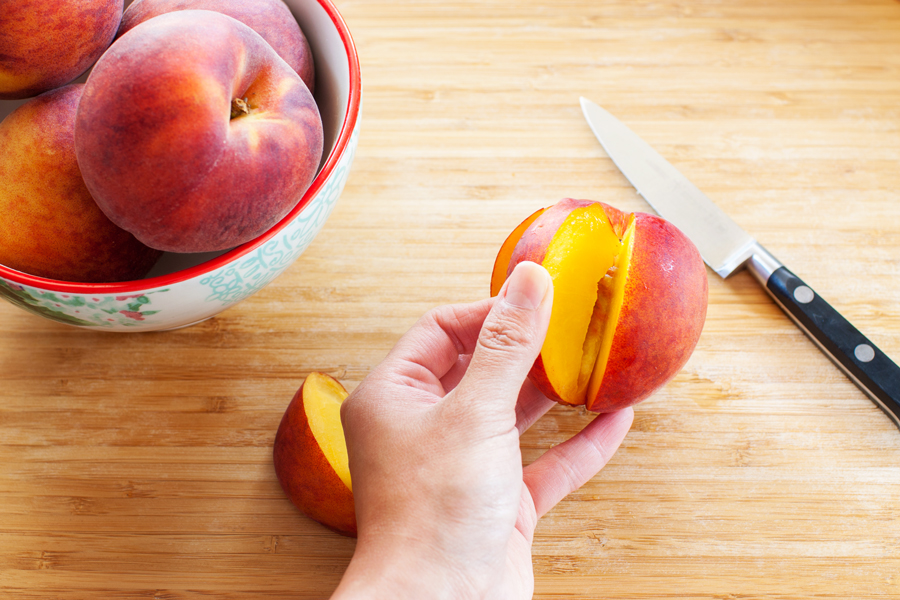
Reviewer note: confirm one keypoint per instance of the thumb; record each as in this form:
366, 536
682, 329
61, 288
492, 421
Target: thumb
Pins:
510, 340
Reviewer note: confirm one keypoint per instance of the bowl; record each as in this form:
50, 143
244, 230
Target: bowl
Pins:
184, 289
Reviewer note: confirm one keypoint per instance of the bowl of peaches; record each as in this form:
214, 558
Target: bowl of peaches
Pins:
167, 159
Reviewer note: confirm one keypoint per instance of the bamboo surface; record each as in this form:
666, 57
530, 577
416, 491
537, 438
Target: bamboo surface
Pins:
139, 465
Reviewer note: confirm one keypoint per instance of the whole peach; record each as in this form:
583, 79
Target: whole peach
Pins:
44, 45
271, 19
51, 227
194, 135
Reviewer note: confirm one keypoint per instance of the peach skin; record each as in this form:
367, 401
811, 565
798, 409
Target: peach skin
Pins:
271, 19
310, 454
196, 155
51, 226
45, 45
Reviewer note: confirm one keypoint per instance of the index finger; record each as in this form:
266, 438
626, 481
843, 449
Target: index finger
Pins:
433, 345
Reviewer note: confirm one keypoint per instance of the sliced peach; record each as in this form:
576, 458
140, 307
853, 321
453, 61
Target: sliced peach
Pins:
629, 302
498, 275
310, 454
661, 296
581, 248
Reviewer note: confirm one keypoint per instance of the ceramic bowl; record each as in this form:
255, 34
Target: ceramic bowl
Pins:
183, 289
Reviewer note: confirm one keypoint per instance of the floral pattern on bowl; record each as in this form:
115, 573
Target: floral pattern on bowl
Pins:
83, 311
256, 270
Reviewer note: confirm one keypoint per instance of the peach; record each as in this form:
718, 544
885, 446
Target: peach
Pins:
310, 454
271, 19
45, 45
498, 276
630, 298
51, 226
194, 135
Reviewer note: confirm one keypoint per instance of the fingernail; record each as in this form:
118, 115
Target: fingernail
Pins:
527, 285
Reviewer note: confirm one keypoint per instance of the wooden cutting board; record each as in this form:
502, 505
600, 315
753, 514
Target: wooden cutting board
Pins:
139, 465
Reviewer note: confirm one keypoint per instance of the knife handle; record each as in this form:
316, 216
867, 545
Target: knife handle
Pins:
867, 366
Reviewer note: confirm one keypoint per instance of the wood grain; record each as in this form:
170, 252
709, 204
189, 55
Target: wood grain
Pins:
139, 466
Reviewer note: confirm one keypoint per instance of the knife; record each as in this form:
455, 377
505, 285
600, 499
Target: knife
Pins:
727, 248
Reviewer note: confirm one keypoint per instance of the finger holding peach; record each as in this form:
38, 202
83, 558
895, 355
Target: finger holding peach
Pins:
45, 45
630, 298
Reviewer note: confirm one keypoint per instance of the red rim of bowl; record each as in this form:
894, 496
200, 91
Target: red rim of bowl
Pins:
337, 152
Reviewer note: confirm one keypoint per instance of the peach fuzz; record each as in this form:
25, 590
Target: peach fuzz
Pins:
46, 45
630, 297
310, 454
51, 226
196, 155
272, 19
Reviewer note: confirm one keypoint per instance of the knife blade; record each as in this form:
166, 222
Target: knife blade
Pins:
727, 249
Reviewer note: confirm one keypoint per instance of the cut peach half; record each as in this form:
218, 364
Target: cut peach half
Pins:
310, 454
630, 296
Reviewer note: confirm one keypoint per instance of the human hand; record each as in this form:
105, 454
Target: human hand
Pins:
444, 506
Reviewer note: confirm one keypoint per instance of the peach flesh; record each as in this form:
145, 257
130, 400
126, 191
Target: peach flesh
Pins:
310, 455
611, 295
577, 258
322, 404
576, 242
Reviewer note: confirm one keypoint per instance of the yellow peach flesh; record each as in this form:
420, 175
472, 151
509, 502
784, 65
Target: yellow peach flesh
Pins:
577, 258
322, 399
615, 294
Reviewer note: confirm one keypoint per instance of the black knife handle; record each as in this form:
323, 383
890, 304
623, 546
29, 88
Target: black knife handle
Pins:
869, 368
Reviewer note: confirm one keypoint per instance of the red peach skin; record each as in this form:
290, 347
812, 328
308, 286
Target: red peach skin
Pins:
50, 226
163, 154
272, 19
45, 45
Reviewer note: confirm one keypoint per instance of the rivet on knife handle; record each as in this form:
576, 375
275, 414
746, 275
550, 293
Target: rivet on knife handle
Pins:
851, 351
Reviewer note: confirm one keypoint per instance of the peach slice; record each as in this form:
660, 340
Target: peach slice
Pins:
310, 454
630, 297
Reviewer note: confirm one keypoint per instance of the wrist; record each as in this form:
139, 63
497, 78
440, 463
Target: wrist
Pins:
398, 570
